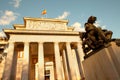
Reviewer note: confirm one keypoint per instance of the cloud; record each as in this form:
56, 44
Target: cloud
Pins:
64, 15
7, 17
97, 24
1, 12
77, 27
16, 3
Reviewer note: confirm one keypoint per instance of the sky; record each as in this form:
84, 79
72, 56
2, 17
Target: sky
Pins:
75, 11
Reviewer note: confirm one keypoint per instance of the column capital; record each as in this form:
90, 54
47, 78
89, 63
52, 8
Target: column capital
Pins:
56, 42
79, 42
12, 42
26, 42
41, 42
68, 43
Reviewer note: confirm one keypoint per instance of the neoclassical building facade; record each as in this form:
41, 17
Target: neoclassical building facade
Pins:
42, 49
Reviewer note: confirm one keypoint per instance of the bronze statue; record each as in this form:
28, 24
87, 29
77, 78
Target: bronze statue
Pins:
94, 37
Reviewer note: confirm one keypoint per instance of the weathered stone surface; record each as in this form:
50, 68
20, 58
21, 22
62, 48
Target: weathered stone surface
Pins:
104, 65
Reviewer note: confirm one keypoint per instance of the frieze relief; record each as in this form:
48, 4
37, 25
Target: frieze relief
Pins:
43, 25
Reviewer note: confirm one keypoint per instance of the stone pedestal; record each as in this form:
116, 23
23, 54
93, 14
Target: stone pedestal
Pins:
104, 64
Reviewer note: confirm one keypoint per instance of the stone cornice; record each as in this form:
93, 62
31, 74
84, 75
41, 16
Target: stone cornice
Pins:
45, 19
19, 26
39, 32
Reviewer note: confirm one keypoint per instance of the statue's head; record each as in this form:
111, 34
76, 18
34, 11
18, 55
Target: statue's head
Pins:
92, 19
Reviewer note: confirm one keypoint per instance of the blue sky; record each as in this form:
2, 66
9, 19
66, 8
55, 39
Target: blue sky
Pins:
76, 11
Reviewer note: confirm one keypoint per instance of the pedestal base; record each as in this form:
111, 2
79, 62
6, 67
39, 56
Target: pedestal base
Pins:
104, 65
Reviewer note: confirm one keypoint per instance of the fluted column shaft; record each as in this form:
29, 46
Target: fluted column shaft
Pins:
58, 61
76, 65
25, 68
65, 65
81, 55
69, 54
9, 62
40, 61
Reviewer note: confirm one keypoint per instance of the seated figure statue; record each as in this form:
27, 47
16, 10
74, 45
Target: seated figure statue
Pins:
94, 37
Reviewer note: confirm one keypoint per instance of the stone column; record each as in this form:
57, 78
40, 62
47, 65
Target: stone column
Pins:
81, 55
40, 61
76, 66
58, 62
36, 71
25, 68
63, 73
65, 66
9, 62
52, 72
69, 54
